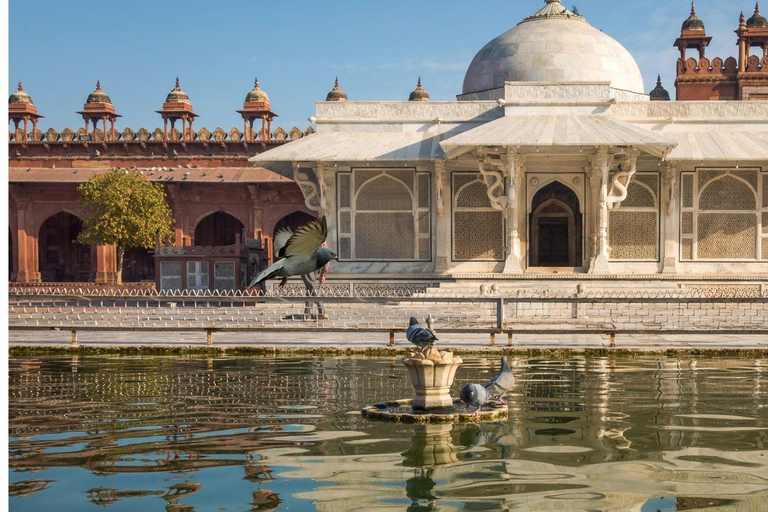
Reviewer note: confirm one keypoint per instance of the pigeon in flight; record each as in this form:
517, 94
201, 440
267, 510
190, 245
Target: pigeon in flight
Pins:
473, 395
420, 335
300, 252
498, 386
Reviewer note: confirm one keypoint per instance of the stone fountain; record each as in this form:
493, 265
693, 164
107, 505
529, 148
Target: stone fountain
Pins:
431, 374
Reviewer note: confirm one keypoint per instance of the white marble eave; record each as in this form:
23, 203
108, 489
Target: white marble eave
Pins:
557, 131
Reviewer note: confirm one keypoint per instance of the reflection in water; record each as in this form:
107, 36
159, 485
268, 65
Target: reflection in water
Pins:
182, 434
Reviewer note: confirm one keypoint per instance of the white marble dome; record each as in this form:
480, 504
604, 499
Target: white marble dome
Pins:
553, 45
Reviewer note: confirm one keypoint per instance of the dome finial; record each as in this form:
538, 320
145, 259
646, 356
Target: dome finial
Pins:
256, 83
336, 94
419, 94
693, 9
757, 20
178, 85
98, 85
659, 93
20, 88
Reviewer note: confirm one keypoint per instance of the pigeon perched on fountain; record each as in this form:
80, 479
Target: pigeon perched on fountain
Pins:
300, 252
473, 395
420, 335
498, 386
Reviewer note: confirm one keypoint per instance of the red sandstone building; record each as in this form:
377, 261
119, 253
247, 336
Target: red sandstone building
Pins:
744, 77
214, 192
218, 198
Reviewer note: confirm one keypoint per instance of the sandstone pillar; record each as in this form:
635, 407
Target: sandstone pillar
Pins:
103, 264
27, 257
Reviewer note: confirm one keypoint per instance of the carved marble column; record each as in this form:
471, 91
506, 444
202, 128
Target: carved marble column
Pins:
443, 231
670, 214
514, 169
599, 262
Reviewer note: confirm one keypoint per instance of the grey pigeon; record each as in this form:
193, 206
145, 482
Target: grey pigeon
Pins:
498, 386
300, 252
420, 335
473, 395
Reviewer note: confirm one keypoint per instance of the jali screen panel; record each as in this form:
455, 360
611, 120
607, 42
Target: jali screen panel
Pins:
478, 228
633, 232
723, 215
384, 214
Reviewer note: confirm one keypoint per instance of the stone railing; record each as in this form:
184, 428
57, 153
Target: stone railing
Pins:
238, 312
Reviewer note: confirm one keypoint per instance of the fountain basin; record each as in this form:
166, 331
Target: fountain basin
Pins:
431, 377
402, 411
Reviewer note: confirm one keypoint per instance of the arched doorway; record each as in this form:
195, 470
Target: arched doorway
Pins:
218, 229
138, 265
61, 259
555, 228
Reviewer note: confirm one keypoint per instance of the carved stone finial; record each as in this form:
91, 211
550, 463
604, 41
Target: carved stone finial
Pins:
98, 85
693, 9
178, 85
757, 7
256, 83
336, 94
419, 94
20, 88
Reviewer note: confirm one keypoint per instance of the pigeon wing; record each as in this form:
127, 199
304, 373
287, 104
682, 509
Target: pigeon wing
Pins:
275, 270
281, 238
306, 240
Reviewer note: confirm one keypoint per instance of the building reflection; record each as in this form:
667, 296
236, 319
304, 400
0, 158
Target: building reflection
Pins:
584, 430
264, 500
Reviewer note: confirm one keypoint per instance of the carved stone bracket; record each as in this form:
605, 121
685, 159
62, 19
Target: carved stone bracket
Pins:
313, 193
492, 169
621, 180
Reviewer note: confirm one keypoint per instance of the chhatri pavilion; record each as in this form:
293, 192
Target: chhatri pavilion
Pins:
553, 159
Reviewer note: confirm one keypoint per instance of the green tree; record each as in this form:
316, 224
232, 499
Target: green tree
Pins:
124, 208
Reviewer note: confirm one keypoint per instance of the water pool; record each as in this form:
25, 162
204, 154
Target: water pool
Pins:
227, 434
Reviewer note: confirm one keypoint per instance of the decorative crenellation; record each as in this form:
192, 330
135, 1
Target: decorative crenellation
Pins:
51, 135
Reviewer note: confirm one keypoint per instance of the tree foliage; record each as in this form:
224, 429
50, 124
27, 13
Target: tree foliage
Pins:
124, 208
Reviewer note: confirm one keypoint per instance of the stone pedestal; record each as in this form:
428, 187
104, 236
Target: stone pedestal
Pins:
431, 377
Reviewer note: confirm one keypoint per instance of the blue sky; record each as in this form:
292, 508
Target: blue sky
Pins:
378, 49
